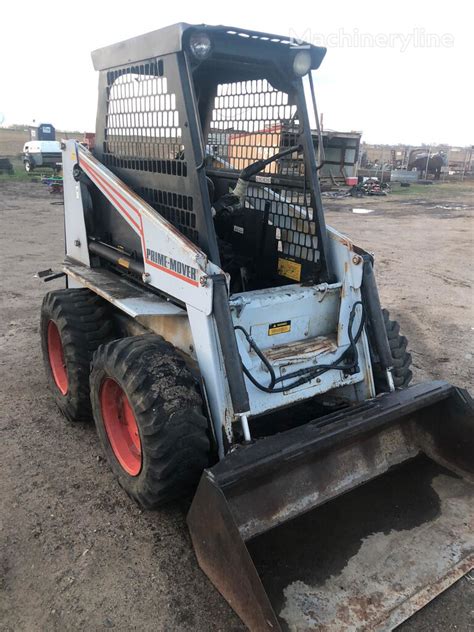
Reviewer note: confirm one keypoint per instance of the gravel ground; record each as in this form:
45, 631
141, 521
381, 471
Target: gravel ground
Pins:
76, 553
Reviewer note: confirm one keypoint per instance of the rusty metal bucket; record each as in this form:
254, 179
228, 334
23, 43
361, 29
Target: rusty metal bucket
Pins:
366, 560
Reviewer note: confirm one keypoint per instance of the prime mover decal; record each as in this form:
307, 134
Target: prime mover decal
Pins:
173, 266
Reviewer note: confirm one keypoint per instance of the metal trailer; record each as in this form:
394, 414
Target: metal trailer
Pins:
226, 339
340, 155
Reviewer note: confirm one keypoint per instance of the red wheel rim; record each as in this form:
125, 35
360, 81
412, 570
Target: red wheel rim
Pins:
121, 426
56, 358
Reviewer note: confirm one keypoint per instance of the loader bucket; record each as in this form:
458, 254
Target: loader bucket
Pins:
366, 560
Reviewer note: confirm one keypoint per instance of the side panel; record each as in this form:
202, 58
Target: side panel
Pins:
74, 223
172, 263
211, 366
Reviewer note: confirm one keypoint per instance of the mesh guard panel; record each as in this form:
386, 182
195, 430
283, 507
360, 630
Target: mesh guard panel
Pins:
143, 135
142, 126
251, 121
176, 208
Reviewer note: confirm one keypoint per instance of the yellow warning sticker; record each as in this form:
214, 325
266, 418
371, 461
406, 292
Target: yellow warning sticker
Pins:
123, 262
289, 269
279, 328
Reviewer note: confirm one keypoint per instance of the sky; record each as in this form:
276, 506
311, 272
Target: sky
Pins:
398, 72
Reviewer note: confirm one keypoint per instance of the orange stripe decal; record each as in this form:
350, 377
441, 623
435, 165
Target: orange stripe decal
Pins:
111, 191
173, 273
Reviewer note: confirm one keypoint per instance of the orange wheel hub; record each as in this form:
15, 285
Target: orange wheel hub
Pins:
121, 426
56, 358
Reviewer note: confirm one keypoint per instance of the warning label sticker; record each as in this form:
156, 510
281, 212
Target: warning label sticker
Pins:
289, 269
283, 327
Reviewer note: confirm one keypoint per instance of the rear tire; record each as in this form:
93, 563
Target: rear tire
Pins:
155, 435
74, 322
401, 359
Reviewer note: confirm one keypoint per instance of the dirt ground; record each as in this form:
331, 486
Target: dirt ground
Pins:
76, 553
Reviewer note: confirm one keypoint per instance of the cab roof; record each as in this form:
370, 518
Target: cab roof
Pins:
227, 41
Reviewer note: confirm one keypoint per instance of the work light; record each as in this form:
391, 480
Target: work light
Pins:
302, 62
200, 45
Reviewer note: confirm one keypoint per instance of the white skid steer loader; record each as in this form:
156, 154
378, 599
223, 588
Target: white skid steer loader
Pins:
228, 343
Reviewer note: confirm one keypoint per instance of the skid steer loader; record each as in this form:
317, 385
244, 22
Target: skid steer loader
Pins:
229, 343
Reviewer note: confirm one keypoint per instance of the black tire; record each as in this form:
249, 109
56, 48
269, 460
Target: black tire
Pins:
83, 323
168, 411
401, 359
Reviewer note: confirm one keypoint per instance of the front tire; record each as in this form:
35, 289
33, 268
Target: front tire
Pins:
149, 417
74, 322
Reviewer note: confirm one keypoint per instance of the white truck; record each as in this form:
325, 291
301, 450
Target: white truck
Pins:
41, 153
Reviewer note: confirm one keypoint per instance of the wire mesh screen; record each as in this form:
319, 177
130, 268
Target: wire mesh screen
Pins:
175, 207
143, 128
251, 121
248, 122
292, 215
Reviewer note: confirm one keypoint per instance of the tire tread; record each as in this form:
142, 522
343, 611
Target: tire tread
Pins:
82, 318
169, 412
402, 360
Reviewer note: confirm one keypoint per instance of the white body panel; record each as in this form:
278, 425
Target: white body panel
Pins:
317, 318
212, 369
174, 264
74, 223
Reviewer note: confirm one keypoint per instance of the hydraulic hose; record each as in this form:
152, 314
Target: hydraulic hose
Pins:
309, 373
240, 189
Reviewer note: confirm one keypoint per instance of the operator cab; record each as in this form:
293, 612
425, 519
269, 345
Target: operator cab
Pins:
212, 130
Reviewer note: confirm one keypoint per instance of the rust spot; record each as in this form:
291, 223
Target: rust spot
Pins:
340, 330
361, 608
298, 350
174, 329
344, 241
